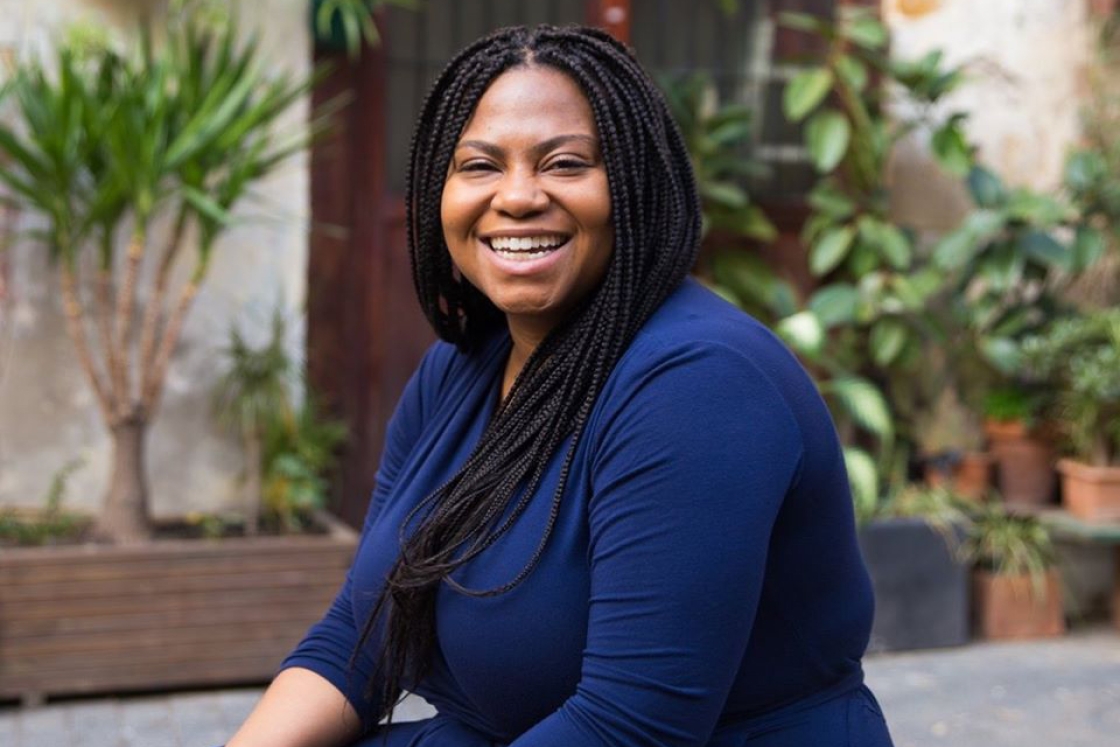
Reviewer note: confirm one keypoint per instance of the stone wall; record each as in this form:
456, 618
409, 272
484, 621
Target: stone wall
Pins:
48, 416
1025, 61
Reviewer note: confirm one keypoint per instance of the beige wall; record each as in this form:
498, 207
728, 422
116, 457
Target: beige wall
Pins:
1026, 61
47, 413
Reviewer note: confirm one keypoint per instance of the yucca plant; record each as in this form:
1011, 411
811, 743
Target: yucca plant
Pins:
250, 397
287, 449
105, 142
351, 21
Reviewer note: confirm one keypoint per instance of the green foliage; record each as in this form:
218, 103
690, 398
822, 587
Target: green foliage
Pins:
295, 446
53, 523
297, 455
717, 137
1008, 544
865, 327
1080, 357
351, 21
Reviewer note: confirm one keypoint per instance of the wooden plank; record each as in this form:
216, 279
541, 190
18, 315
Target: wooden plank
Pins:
71, 608
198, 635
126, 624
173, 584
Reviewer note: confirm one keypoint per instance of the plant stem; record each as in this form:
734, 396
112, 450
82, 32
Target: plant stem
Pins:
126, 303
154, 310
150, 396
75, 325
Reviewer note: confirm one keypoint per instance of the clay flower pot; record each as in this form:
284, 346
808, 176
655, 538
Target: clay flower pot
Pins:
969, 476
1090, 493
1011, 606
1024, 463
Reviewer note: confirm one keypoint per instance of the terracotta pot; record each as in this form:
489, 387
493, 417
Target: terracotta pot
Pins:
1024, 463
971, 477
1090, 493
1011, 607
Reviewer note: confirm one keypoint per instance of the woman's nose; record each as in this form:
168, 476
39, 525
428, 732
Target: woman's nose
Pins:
519, 194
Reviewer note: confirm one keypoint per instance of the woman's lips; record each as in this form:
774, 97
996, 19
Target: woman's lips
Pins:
526, 255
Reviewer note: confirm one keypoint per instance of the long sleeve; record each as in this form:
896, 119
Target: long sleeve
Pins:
690, 471
329, 644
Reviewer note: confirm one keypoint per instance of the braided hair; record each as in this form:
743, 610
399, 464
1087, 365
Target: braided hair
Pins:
656, 219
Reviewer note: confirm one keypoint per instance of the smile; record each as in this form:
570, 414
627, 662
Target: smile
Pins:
526, 247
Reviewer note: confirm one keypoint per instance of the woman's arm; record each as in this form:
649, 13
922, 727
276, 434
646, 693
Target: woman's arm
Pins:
299, 709
690, 470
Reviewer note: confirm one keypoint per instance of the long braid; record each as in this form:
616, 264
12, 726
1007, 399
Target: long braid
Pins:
656, 217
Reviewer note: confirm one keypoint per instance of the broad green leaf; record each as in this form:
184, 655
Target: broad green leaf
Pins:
895, 246
724, 194
863, 401
863, 478
888, 335
804, 22
951, 149
1088, 247
829, 200
835, 304
827, 135
1084, 169
1043, 248
830, 249
805, 92
852, 72
1035, 208
986, 188
1003, 269
862, 260
866, 32
803, 331
1003, 354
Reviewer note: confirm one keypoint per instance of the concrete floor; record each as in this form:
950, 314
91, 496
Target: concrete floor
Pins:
1057, 693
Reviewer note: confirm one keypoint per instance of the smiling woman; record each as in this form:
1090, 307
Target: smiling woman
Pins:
526, 206
612, 509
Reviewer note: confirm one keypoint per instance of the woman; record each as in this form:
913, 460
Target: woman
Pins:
612, 509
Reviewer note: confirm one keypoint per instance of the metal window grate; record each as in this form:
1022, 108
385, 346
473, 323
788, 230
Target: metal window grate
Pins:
669, 36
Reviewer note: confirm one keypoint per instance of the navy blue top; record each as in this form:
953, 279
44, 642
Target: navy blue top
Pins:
703, 569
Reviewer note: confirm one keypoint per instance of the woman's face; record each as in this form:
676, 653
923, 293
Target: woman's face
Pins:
526, 208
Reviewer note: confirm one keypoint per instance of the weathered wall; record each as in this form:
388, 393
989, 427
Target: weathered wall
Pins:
48, 415
1026, 61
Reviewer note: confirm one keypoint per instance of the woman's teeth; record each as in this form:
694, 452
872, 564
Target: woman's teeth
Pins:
527, 247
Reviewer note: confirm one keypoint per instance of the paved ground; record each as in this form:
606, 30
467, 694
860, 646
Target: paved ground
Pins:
1058, 693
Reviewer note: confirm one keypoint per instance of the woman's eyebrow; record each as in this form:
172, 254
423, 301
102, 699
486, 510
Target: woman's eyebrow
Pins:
495, 151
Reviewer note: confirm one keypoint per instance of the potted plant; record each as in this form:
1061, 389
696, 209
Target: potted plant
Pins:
1023, 447
1082, 356
104, 144
1017, 592
1010, 260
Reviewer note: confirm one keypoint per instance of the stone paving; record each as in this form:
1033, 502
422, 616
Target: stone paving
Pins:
1059, 693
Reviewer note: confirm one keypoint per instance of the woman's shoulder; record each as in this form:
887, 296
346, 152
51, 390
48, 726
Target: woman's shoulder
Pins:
694, 321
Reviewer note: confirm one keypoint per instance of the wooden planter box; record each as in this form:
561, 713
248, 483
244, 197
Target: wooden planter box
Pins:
1090, 493
162, 614
1009, 607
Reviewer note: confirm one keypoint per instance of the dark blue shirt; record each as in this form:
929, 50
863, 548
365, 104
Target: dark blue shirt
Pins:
703, 569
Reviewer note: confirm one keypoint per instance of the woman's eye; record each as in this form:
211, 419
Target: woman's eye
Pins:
476, 166
569, 164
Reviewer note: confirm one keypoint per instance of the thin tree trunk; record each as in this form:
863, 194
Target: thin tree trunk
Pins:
126, 304
105, 335
253, 487
124, 513
151, 393
154, 311
75, 326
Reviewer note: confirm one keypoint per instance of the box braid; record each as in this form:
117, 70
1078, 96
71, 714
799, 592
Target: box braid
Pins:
656, 216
